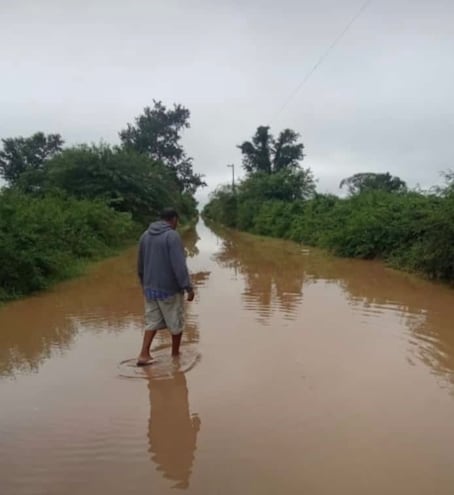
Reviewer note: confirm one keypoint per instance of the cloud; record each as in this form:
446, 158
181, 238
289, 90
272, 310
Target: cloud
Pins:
382, 100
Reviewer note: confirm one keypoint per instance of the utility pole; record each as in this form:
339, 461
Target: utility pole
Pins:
232, 166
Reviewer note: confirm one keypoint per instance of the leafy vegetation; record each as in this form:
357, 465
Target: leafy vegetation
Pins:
380, 218
21, 154
157, 134
64, 205
43, 238
268, 155
363, 182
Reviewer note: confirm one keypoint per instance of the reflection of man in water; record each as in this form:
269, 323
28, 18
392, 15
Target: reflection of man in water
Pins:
172, 432
164, 276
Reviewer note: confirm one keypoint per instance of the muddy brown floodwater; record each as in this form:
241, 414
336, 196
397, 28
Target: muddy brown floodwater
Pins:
300, 374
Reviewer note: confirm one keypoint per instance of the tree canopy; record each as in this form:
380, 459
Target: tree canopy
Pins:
368, 181
20, 155
126, 180
157, 133
267, 154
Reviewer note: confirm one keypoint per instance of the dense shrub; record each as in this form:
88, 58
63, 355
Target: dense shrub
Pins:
223, 207
410, 230
42, 239
61, 205
432, 249
126, 180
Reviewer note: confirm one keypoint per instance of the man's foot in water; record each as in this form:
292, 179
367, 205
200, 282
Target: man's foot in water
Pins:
144, 360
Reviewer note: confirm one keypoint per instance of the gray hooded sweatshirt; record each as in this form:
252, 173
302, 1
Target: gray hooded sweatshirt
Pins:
161, 263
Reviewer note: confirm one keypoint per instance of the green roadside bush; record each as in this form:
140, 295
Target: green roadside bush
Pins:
222, 207
60, 205
44, 239
432, 249
126, 180
374, 224
409, 230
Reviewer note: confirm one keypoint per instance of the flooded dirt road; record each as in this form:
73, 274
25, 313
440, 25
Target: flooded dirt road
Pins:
300, 374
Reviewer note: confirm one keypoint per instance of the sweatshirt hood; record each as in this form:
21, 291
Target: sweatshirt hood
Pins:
158, 228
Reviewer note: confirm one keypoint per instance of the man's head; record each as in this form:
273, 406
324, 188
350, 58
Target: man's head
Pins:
170, 215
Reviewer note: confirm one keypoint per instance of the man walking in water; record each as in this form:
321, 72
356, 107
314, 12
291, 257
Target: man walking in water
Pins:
164, 276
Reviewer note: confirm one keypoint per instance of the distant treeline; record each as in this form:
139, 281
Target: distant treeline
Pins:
63, 205
380, 218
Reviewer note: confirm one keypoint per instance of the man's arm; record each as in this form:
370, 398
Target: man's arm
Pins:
178, 262
140, 260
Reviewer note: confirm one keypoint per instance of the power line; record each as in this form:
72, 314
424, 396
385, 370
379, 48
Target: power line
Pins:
322, 58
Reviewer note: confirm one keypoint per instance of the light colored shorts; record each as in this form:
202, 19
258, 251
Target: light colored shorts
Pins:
168, 313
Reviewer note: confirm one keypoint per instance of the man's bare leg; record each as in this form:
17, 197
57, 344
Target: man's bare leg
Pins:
176, 341
148, 337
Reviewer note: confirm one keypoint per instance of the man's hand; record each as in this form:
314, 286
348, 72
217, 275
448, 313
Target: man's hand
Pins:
190, 295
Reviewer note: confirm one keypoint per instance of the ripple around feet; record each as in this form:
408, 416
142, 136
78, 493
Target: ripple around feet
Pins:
163, 365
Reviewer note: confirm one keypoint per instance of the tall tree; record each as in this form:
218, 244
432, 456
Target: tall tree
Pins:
369, 181
257, 153
21, 154
287, 152
266, 154
157, 133
126, 180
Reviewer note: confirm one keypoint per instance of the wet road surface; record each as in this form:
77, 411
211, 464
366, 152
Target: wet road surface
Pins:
300, 373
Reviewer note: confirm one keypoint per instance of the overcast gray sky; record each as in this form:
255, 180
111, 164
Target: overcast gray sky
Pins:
381, 101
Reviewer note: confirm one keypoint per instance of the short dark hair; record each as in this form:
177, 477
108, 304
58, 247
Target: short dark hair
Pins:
169, 214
